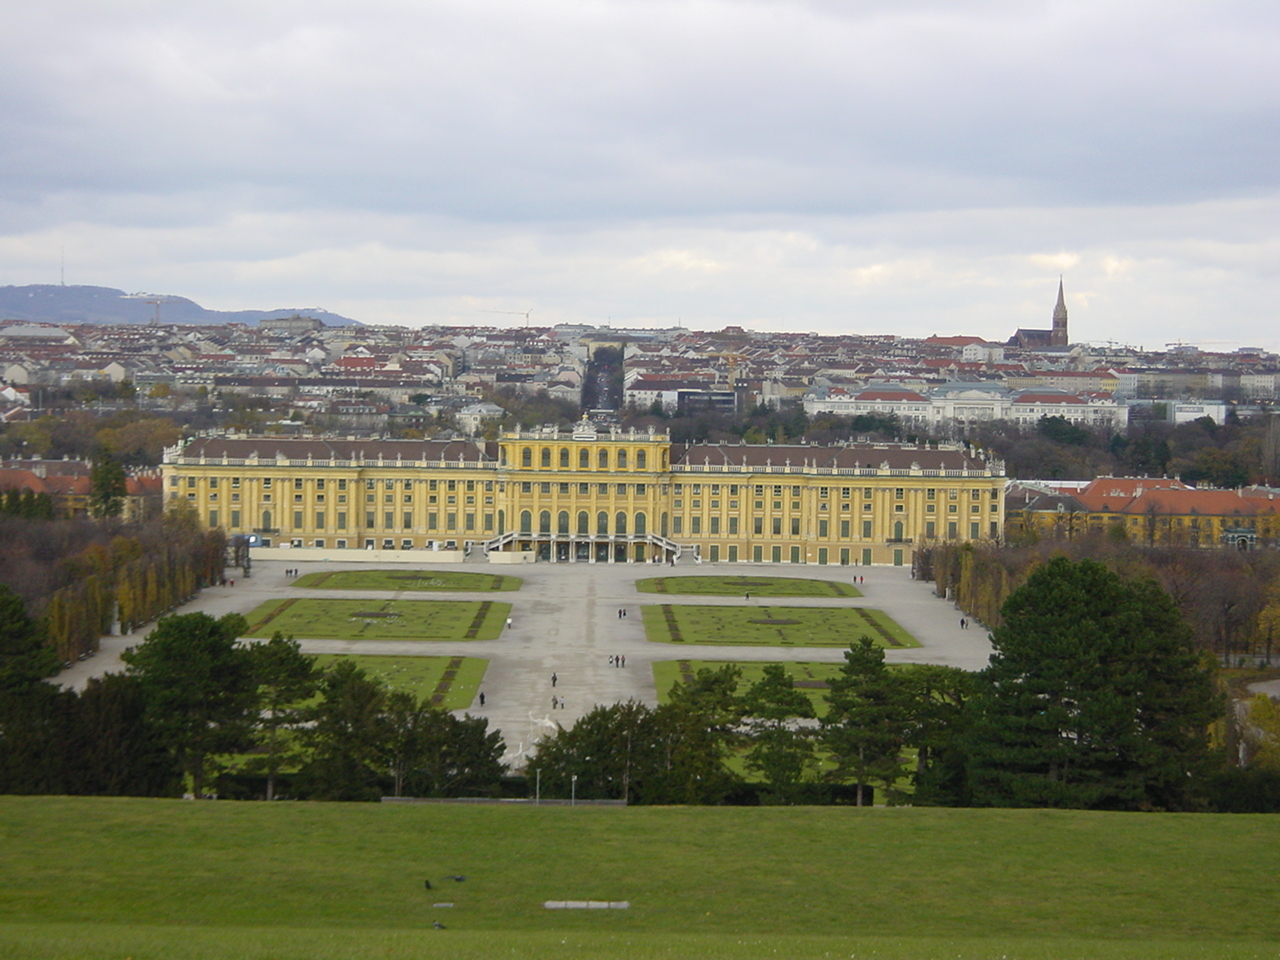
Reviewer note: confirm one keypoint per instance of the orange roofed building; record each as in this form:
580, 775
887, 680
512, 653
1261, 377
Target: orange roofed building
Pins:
1158, 511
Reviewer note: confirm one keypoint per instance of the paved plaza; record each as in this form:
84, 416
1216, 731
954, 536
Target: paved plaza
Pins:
564, 620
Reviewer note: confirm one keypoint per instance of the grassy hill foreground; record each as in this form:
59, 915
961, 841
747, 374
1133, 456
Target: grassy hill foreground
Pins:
142, 879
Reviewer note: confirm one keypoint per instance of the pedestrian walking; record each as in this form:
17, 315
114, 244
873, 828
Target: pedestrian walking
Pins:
611, 659
554, 701
482, 698
508, 623
624, 659
554, 680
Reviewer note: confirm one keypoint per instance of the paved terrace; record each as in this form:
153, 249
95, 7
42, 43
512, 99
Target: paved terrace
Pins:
565, 621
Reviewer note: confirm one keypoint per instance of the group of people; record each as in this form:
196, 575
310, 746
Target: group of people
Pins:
292, 572
618, 660
622, 613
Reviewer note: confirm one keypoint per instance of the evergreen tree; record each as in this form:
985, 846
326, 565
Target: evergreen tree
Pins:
868, 720
24, 659
455, 756
345, 736
1094, 697
781, 749
107, 488
199, 686
118, 750
285, 678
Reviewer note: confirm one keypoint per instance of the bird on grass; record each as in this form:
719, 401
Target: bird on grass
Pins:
457, 878
427, 884
438, 925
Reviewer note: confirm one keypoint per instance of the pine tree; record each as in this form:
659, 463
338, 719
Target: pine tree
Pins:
1094, 697
868, 720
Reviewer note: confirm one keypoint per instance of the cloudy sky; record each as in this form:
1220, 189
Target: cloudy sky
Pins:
879, 166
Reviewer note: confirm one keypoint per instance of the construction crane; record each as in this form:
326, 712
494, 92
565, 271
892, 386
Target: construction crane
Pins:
154, 300
515, 313
1199, 343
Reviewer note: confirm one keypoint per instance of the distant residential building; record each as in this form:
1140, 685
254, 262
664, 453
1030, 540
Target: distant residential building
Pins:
1158, 511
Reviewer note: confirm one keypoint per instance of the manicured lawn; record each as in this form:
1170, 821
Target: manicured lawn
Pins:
152, 879
380, 619
742, 585
407, 580
454, 680
772, 626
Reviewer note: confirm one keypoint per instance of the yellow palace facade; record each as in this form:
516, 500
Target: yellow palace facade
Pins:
592, 495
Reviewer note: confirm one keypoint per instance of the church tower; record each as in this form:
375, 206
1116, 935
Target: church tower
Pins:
1059, 336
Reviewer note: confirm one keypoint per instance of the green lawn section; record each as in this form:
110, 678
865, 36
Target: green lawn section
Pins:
772, 626
407, 580
152, 879
453, 680
380, 619
742, 585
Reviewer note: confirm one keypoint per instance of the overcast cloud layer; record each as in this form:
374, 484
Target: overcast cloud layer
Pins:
881, 167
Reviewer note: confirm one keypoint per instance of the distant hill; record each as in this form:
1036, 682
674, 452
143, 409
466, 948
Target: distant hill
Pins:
48, 303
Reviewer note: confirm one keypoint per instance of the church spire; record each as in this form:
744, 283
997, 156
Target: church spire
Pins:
1059, 336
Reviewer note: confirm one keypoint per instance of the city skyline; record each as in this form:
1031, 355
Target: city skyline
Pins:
931, 169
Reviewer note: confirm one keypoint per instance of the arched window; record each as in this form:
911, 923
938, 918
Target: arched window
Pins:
664, 524
604, 459
544, 521
897, 530
526, 457
620, 523
622, 459
584, 522
266, 519
526, 521
562, 522
546, 457
584, 459
564, 458
502, 522
641, 459
602, 522
641, 526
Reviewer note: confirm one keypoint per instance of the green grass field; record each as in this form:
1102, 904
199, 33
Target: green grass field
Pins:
453, 680
742, 585
380, 619
91, 879
407, 580
772, 626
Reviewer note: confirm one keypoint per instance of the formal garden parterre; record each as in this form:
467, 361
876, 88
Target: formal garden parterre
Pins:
746, 585
767, 625
450, 683
334, 619
427, 580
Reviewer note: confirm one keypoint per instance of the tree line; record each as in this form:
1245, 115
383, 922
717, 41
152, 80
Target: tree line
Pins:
1230, 599
1096, 697
197, 712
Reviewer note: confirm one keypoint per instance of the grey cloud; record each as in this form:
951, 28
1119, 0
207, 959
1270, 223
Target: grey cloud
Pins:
626, 109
